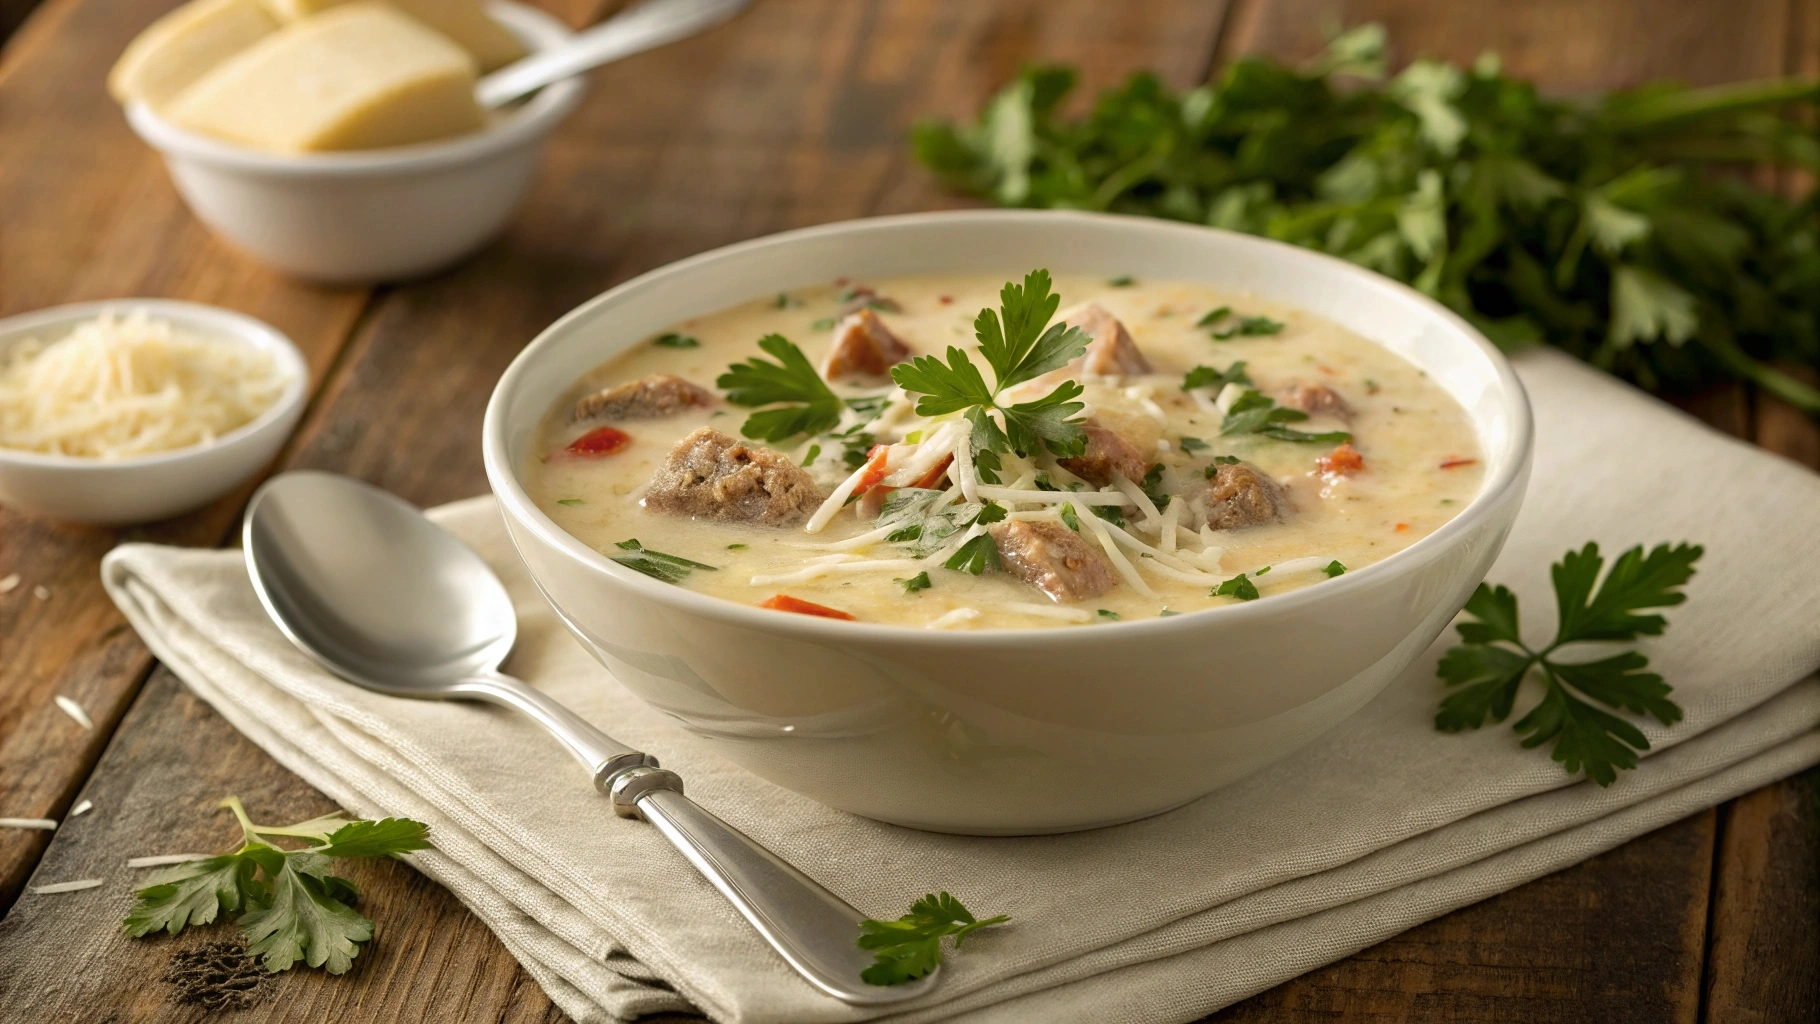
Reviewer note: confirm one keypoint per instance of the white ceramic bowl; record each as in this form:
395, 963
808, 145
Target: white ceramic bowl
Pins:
370, 215
1014, 731
144, 488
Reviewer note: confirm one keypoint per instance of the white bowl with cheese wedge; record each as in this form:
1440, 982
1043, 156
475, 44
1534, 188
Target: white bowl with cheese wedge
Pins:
363, 216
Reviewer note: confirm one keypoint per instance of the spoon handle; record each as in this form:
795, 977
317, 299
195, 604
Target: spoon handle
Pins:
644, 27
603, 755
810, 927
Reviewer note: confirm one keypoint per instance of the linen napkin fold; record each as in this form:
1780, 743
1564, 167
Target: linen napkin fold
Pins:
1379, 825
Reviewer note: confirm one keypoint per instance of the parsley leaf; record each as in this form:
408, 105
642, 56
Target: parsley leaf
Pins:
656, 564
1239, 586
1208, 377
674, 340
975, 556
915, 583
291, 907
1487, 670
1152, 486
812, 406
1069, 518
1194, 445
1333, 568
1257, 413
1242, 327
1113, 514
911, 946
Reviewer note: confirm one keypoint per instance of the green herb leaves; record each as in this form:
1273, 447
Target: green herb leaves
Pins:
911, 946
1223, 326
1239, 586
673, 340
1257, 413
656, 564
1216, 380
812, 407
1019, 344
1488, 669
291, 907
974, 557
915, 583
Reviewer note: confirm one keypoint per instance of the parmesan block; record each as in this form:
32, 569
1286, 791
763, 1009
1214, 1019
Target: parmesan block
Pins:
464, 21
361, 76
185, 44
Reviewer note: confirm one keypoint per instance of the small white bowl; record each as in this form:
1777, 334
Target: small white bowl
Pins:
1031, 730
370, 215
114, 492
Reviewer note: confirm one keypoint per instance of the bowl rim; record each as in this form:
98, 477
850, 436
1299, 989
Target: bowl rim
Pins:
212, 321
518, 508
536, 118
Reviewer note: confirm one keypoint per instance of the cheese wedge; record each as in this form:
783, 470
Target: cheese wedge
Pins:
361, 76
464, 21
185, 44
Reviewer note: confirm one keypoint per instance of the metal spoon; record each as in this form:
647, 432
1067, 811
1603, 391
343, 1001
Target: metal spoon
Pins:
645, 27
389, 601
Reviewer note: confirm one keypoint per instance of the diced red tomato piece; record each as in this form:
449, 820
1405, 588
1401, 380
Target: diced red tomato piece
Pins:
1455, 462
934, 476
1342, 461
599, 441
1402, 527
875, 469
786, 603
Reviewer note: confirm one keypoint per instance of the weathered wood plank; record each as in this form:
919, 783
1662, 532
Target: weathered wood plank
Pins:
90, 214
794, 115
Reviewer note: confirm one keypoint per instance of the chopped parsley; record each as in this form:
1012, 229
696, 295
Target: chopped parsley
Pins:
1107, 613
1257, 413
1069, 518
1239, 586
1152, 486
571, 502
1490, 665
1122, 281
806, 405
915, 583
736, 547
815, 451
1215, 380
1262, 571
1113, 514
911, 946
870, 406
656, 564
1223, 324
975, 556
989, 513
1213, 468
671, 339
1194, 445
1334, 568
1019, 344
826, 323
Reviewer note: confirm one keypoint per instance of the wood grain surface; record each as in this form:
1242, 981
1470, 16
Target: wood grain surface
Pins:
794, 115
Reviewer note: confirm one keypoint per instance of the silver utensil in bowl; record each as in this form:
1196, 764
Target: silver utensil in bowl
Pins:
644, 27
384, 598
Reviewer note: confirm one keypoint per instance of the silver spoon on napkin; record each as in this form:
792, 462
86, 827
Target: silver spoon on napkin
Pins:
389, 601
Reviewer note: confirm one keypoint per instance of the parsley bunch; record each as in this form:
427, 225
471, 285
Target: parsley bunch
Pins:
290, 906
1490, 666
911, 946
1019, 343
1585, 223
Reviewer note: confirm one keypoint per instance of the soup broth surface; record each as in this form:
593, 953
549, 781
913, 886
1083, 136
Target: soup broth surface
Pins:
1416, 465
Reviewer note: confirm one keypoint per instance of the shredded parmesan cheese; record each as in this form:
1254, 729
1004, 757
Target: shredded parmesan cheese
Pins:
117, 387
954, 618
82, 808
74, 710
45, 824
76, 886
160, 860
7, 584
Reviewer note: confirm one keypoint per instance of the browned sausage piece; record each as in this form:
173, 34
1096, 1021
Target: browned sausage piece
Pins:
651, 398
863, 347
1111, 352
709, 475
1107, 453
1053, 558
1317, 400
1242, 495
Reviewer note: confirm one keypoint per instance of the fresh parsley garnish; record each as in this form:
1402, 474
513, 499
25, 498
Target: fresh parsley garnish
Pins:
1208, 377
1108, 614
826, 323
736, 547
809, 406
1018, 343
1489, 667
1214, 316
1334, 568
911, 946
1069, 518
1152, 486
815, 451
1113, 514
1239, 586
1243, 327
1257, 413
1194, 445
975, 556
672, 339
869, 407
1122, 281
571, 502
915, 583
288, 903
656, 564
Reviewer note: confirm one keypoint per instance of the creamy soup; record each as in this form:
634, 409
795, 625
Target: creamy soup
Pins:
1221, 449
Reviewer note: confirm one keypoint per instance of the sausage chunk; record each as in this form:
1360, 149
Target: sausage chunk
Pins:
709, 475
1317, 400
1052, 558
863, 347
1106, 454
650, 398
1242, 495
1111, 353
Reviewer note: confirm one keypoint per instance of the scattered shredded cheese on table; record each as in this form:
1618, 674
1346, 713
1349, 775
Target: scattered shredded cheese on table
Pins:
82, 808
116, 387
74, 710
44, 824
79, 884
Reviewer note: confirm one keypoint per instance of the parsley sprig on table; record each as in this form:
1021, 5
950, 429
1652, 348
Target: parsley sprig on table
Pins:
1588, 223
1489, 667
911, 946
289, 904
1019, 344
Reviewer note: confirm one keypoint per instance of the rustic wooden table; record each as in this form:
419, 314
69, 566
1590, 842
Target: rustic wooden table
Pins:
794, 115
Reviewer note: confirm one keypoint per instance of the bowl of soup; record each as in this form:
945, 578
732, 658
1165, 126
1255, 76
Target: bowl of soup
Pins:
1005, 522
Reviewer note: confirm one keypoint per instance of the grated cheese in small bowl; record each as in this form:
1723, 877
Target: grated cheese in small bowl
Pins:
116, 387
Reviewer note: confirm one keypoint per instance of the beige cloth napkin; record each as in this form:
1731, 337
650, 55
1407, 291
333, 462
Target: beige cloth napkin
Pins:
1379, 825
